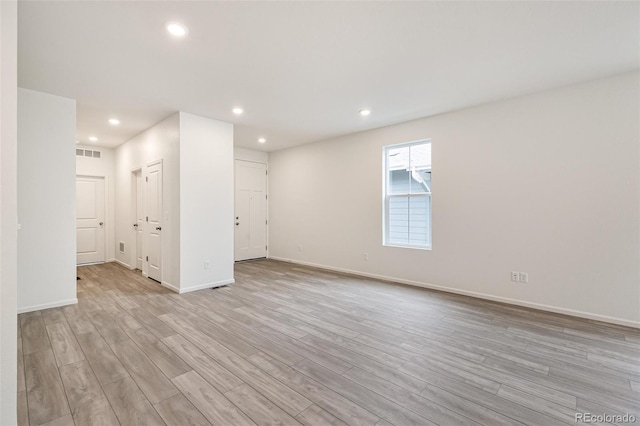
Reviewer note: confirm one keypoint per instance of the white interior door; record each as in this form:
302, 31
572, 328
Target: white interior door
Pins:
153, 228
90, 233
251, 210
139, 222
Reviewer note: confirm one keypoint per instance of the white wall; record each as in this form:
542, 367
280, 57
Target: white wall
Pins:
102, 167
46, 201
206, 202
8, 211
160, 142
250, 155
547, 184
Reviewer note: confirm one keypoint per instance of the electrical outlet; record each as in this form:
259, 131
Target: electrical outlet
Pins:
524, 277
299, 247
365, 256
515, 276
207, 264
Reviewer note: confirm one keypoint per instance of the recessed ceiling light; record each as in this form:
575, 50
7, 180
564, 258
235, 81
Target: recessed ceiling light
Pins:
93, 139
237, 110
176, 29
114, 121
365, 112
262, 140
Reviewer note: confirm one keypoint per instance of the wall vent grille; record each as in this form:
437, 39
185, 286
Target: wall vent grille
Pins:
88, 153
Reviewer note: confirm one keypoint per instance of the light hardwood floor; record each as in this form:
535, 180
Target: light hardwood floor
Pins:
293, 345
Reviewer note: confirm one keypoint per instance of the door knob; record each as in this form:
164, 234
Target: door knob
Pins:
158, 228
237, 223
135, 225
100, 223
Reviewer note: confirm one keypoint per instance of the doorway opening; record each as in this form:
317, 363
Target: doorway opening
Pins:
146, 224
250, 210
90, 220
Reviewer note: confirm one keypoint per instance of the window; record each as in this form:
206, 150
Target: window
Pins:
407, 194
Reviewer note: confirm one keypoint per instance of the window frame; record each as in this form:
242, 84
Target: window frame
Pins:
386, 196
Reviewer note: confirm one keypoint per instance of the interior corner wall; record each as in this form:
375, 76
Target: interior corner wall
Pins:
46, 201
206, 202
8, 212
159, 142
547, 184
102, 167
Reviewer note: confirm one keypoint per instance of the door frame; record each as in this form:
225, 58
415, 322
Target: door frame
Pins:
266, 204
134, 202
132, 232
145, 239
107, 224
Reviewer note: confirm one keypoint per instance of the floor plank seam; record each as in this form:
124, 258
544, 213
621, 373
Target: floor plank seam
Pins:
325, 344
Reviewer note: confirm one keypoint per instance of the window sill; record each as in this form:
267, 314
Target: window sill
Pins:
427, 248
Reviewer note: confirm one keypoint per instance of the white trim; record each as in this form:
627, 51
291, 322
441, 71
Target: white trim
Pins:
154, 162
266, 205
167, 285
387, 196
428, 248
131, 236
107, 225
126, 265
145, 261
533, 305
266, 163
198, 287
48, 305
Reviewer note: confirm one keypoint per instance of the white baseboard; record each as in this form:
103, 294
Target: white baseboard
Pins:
47, 305
119, 262
207, 285
517, 302
197, 287
169, 286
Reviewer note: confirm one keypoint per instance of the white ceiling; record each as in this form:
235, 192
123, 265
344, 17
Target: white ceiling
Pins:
303, 70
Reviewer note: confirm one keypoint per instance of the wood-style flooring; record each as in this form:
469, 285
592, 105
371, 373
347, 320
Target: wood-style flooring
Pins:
290, 345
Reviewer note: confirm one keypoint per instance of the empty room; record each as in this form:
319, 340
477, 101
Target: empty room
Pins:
319, 213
